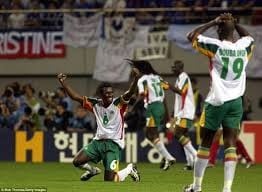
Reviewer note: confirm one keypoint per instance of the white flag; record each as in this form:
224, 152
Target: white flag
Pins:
81, 31
121, 36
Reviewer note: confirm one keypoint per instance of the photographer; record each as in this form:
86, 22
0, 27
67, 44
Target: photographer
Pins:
53, 98
8, 98
62, 117
4, 116
28, 121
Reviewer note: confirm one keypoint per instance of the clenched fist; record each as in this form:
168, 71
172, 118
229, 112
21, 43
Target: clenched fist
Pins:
61, 77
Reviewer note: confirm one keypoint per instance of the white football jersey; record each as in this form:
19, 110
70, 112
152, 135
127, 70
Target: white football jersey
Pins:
152, 86
228, 63
184, 106
110, 120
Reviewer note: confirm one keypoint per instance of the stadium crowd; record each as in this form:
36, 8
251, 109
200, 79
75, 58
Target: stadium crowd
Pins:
22, 109
188, 11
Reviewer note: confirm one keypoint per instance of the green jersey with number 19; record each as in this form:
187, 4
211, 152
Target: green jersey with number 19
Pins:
228, 62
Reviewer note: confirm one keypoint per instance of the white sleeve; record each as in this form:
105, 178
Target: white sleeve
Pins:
206, 45
140, 86
207, 40
245, 41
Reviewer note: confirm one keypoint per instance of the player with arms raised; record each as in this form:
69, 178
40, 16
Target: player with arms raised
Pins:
223, 105
109, 139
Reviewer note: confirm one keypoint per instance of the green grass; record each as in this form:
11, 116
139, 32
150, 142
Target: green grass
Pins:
58, 177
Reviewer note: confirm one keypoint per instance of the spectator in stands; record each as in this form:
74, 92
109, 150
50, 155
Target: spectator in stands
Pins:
3, 17
16, 20
34, 20
214, 4
26, 122
4, 116
25, 4
52, 19
177, 17
10, 100
53, 98
32, 102
62, 117
47, 118
82, 121
13, 101
244, 11
67, 4
83, 4
198, 13
63, 97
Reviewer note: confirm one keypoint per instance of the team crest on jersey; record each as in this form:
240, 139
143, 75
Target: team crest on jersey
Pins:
105, 119
108, 116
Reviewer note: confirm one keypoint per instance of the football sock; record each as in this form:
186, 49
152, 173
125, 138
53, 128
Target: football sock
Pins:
189, 158
162, 149
229, 168
189, 147
86, 166
122, 174
200, 167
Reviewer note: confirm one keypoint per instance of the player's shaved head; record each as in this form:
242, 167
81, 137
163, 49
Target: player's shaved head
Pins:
179, 64
178, 67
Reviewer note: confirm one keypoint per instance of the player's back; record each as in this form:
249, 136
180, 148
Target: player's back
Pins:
231, 60
227, 67
151, 85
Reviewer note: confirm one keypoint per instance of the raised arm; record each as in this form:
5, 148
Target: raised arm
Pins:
200, 29
241, 30
132, 89
72, 94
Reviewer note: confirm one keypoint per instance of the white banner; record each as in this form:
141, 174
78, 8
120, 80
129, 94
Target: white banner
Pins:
177, 33
81, 31
120, 37
157, 47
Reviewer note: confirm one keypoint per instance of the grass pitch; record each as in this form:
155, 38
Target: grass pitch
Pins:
58, 177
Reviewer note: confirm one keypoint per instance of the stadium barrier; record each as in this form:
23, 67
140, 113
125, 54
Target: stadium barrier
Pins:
61, 146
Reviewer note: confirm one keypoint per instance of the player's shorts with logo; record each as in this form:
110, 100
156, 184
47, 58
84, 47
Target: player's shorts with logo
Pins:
107, 151
227, 115
155, 114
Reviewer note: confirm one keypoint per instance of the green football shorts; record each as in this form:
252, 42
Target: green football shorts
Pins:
155, 114
227, 115
106, 151
184, 123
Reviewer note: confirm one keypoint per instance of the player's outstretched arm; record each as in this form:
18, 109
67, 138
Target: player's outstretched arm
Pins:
175, 89
72, 94
132, 89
